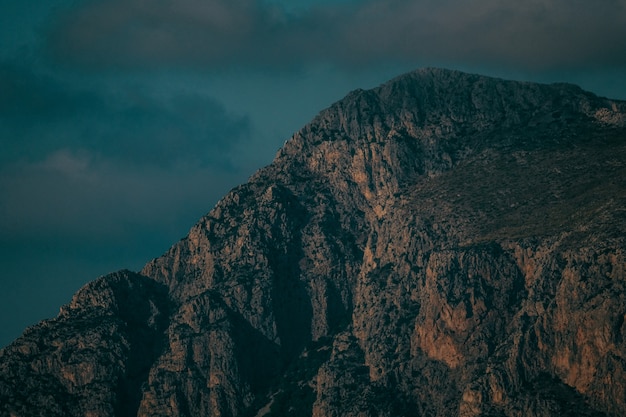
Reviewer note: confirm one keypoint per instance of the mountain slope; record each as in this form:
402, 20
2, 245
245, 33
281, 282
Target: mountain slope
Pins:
446, 244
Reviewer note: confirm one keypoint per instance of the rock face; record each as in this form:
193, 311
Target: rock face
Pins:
444, 245
94, 357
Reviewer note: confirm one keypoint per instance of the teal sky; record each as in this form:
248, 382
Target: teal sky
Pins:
124, 121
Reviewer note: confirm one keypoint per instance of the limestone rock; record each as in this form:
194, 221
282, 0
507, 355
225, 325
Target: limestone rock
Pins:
93, 358
446, 244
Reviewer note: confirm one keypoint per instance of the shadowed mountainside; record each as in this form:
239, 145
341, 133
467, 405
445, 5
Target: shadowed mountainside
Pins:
446, 244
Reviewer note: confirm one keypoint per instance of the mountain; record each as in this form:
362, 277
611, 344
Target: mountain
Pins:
446, 244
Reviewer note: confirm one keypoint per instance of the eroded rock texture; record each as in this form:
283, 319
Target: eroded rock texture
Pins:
444, 245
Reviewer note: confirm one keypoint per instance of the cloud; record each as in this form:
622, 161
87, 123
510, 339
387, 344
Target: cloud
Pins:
27, 96
40, 115
221, 34
86, 162
72, 197
143, 33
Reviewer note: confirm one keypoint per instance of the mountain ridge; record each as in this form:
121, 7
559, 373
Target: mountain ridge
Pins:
444, 244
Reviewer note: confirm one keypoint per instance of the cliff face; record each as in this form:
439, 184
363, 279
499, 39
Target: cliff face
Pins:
93, 358
444, 245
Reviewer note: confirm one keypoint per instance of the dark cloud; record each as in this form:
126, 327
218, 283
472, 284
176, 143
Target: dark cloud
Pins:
535, 34
40, 115
69, 196
139, 33
27, 96
71, 154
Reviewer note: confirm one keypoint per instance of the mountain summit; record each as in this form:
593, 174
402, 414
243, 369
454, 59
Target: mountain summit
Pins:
446, 244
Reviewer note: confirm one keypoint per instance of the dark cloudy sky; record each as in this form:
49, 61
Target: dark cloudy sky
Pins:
124, 121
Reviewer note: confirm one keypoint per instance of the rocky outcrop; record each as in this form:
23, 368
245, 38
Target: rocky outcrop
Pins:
93, 358
444, 245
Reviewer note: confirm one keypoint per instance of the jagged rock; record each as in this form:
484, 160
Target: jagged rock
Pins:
444, 245
93, 358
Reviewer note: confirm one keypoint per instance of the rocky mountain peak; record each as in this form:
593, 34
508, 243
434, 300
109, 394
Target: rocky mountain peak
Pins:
446, 244
440, 109
432, 97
